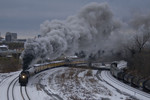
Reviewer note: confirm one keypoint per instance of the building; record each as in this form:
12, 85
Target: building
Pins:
3, 50
21, 40
3, 47
1, 39
9, 37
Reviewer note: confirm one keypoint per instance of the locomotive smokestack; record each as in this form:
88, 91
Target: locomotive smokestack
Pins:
28, 54
27, 59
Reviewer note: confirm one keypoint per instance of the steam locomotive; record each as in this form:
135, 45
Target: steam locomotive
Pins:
25, 74
129, 78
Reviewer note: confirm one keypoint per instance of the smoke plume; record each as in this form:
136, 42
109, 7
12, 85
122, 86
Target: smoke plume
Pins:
89, 30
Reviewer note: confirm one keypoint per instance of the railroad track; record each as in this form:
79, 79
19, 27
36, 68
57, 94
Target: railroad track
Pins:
10, 89
24, 93
3, 80
126, 88
27, 93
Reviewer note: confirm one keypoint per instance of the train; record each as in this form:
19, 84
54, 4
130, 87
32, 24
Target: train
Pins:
26, 74
142, 83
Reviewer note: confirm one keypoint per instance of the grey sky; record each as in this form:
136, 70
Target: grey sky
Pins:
25, 16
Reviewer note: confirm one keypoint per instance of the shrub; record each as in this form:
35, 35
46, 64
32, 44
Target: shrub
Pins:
9, 64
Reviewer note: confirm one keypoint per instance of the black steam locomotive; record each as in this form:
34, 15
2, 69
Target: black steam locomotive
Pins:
129, 78
23, 78
25, 74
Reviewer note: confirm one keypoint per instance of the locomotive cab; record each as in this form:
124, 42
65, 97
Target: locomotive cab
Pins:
23, 78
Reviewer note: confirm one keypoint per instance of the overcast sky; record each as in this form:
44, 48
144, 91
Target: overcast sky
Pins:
25, 16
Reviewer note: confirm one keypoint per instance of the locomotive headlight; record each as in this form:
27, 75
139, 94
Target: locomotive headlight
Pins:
23, 76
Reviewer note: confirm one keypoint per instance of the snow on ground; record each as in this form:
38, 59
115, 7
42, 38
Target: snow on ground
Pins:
6, 80
4, 76
63, 84
72, 84
35, 91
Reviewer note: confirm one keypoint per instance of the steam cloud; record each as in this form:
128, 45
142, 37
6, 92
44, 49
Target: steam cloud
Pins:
90, 30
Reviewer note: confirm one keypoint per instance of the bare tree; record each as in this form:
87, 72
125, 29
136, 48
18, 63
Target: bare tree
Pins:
137, 44
130, 50
141, 40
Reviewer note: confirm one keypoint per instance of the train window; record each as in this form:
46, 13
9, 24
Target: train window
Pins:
41, 67
48, 66
38, 69
141, 84
51, 65
35, 69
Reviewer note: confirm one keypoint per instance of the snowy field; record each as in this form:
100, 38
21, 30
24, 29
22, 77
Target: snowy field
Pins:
64, 84
4, 76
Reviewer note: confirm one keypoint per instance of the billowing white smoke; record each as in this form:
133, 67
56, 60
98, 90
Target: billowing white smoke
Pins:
88, 31
141, 21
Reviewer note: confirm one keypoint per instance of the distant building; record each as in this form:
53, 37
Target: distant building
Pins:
3, 48
21, 40
9, 37
1, 39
